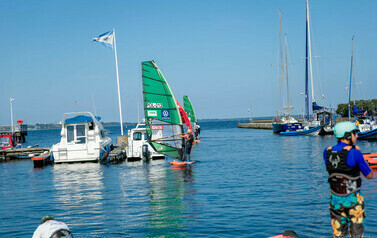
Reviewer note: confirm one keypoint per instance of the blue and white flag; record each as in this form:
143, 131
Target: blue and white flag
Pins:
106, 39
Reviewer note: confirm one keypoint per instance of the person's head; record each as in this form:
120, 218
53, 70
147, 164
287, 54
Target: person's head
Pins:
189, 131
346, 131
46, 218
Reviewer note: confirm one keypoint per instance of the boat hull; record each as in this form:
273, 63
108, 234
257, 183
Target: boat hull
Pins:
310, 131
72, 155
368, 135
280, 127
326, 131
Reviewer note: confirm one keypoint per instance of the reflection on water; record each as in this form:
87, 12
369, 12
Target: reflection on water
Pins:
249, 183
78, 190
158, 196
170, 199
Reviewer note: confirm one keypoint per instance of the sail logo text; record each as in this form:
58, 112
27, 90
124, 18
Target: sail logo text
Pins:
157, 127
154, 105
152, 113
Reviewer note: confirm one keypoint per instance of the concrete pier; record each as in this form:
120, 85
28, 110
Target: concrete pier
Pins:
260, 124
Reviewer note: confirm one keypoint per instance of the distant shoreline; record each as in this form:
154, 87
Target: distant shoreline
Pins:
50, 126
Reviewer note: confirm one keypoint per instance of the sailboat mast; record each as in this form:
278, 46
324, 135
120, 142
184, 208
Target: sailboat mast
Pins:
306, 64
310, 53
350, 84
281, 59
286, 72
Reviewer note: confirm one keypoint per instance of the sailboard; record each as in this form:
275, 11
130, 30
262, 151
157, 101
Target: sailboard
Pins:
189, 109
181, 163
162, 118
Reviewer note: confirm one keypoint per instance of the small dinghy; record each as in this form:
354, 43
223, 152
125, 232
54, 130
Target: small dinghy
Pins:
371, 159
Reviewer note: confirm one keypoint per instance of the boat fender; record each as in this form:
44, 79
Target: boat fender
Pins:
356, 123
108, 148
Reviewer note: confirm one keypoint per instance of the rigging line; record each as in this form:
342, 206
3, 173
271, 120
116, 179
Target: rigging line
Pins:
286, 71
317, 76
292, 73
318, 80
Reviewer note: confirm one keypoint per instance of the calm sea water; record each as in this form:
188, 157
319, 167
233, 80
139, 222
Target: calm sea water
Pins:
246, 183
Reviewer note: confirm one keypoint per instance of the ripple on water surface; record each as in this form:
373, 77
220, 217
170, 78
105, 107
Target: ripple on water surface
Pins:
246, 183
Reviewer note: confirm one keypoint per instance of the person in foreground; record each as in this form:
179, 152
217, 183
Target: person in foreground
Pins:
189, 140
50, 228
344, 162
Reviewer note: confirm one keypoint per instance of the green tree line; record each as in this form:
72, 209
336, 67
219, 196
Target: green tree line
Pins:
369, 105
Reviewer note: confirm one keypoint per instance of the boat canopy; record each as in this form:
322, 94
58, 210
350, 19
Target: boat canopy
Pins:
80, 119
355, 111
316, 107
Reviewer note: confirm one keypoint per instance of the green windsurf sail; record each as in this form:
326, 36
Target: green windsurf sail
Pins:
189, 109
162, 119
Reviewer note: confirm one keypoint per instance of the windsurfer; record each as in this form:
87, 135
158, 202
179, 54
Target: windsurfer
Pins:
344, 162
189, 140
197, 132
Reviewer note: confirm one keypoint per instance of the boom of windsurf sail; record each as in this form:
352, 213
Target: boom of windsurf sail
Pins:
189, 109
162, 118
184, 116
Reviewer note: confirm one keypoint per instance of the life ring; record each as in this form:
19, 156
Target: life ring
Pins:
356, 123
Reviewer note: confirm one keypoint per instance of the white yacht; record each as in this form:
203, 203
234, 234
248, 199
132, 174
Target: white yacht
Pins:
138, 146
83, 139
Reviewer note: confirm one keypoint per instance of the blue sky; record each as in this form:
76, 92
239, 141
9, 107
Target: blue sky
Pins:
223, 54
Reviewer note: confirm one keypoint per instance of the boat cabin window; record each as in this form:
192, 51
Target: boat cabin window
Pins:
79, 130
145, 136
80, 134
137, 136
70, 133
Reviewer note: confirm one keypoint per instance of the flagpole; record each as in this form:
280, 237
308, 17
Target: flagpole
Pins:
116, 66
11, 113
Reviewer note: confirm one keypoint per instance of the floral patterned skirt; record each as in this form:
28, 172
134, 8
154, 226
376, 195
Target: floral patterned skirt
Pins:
347, 213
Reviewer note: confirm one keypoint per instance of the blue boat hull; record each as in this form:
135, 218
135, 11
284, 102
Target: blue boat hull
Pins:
368, 135
277, 128
314, 130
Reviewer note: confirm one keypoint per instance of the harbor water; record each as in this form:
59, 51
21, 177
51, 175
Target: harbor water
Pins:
245, 183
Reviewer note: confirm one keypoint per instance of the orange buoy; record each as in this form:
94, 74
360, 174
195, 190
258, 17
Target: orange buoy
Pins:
196, 141
371, 159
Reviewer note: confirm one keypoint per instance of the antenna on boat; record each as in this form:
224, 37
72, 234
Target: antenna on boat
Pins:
75, 105
94, 105
138, 111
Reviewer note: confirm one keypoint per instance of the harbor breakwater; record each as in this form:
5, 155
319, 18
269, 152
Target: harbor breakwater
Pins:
267, 124
257, 124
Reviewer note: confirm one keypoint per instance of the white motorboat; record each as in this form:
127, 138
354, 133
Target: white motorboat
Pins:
83, 139
138, 146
